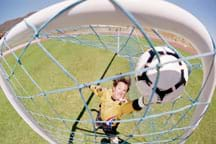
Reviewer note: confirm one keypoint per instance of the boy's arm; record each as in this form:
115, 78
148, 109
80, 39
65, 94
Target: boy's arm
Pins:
97, 90
135, 105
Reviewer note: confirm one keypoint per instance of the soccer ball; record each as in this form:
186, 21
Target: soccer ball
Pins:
172, 76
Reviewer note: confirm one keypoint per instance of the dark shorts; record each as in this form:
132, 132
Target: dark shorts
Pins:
109, 129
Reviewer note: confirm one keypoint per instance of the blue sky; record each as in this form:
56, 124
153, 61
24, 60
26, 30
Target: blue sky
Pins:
204, 10
11, 9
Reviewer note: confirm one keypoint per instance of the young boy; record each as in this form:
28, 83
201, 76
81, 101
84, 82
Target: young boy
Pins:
114, 104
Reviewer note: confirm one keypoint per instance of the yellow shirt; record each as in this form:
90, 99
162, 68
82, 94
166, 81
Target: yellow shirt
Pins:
111, 109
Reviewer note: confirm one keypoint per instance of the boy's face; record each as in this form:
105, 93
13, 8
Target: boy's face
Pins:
120, 91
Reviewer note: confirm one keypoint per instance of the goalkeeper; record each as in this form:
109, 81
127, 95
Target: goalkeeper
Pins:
113, 105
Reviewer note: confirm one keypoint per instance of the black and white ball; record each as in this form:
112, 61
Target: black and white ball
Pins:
172, 76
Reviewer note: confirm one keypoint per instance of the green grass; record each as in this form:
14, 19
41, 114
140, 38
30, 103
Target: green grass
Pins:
13, 128
86, 64
204, 134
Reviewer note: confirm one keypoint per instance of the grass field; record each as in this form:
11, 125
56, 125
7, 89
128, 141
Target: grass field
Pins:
49, 77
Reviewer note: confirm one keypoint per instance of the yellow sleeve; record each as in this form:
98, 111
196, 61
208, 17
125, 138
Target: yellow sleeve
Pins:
127, 108
97, 90
131, 106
